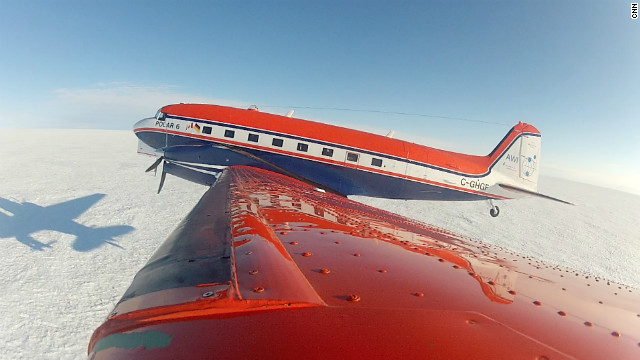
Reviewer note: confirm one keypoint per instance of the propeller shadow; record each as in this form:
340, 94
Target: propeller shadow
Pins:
22, 220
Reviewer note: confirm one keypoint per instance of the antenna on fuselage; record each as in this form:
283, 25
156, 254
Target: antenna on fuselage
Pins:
289, 114
390, 134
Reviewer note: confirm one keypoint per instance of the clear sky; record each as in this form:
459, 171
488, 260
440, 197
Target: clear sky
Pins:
571, 68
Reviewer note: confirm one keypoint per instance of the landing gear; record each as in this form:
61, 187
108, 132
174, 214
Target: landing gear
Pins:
495, 211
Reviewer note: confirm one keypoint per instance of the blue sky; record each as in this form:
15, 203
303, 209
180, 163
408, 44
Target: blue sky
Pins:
571, 68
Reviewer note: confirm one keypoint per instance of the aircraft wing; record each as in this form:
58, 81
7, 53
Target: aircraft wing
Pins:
266, 266
9, 206
71, 209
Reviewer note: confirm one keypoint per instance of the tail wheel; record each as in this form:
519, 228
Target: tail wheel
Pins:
495, 211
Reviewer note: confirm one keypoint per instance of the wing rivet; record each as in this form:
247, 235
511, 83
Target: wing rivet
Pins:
283, 233
537, 303
338, 242
491, 283
588, 323
562, 313
294, 243
258, 289
323, 233
353, 298
253, 272
441, 260
324, 271
615, 334
512, 292
456, 267
418, 294
383, 271
356, 255
207, 294
306, 254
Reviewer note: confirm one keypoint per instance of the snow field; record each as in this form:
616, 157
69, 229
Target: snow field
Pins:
58, 295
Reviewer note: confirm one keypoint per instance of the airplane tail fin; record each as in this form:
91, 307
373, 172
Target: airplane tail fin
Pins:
516, 163
516, 159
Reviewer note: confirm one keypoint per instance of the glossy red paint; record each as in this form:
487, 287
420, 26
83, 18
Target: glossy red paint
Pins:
414, 291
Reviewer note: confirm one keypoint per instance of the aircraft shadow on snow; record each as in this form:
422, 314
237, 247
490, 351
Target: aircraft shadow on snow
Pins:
21, 220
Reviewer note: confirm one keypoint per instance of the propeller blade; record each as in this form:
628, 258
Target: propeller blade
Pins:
155, 164
164, 175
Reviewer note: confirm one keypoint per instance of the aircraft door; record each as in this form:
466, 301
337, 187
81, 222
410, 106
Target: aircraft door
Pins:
162, 121
402, 166
416, 171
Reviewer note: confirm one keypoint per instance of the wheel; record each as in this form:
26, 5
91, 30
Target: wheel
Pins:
495, 211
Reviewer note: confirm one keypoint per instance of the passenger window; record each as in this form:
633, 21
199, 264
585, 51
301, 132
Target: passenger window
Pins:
303, 147
352, 157
327, 152
253, 137
277, 142
206, 130
229, 133
376, 162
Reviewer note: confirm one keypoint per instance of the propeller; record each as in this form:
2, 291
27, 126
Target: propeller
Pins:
154, 167
155, 164
162, 177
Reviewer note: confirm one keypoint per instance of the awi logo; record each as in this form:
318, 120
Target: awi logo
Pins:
512, 158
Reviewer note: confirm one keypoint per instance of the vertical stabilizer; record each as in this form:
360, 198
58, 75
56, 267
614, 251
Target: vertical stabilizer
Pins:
516, 160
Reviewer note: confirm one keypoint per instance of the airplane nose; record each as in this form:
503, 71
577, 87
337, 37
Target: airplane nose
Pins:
144, 123
151, 137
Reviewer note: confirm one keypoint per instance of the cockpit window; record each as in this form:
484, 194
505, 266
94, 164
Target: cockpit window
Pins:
160, 115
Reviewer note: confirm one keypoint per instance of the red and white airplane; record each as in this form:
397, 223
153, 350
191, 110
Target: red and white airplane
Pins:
269, 265
197, 141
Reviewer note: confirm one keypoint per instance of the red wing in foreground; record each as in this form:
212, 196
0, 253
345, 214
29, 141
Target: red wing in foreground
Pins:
266, 266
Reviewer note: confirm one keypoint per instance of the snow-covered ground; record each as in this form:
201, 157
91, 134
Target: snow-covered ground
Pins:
65, 264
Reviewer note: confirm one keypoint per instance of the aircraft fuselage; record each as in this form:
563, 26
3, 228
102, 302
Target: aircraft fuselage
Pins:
199, 140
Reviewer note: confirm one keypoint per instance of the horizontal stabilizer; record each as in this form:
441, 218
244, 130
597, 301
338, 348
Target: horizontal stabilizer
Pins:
531, 193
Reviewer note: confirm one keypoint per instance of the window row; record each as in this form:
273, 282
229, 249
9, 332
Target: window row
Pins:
302, 147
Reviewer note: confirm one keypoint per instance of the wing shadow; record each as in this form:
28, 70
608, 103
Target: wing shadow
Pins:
22, 220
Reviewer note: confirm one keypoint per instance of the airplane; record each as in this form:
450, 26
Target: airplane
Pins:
274, 263
197, 141
21, 220
270, 266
